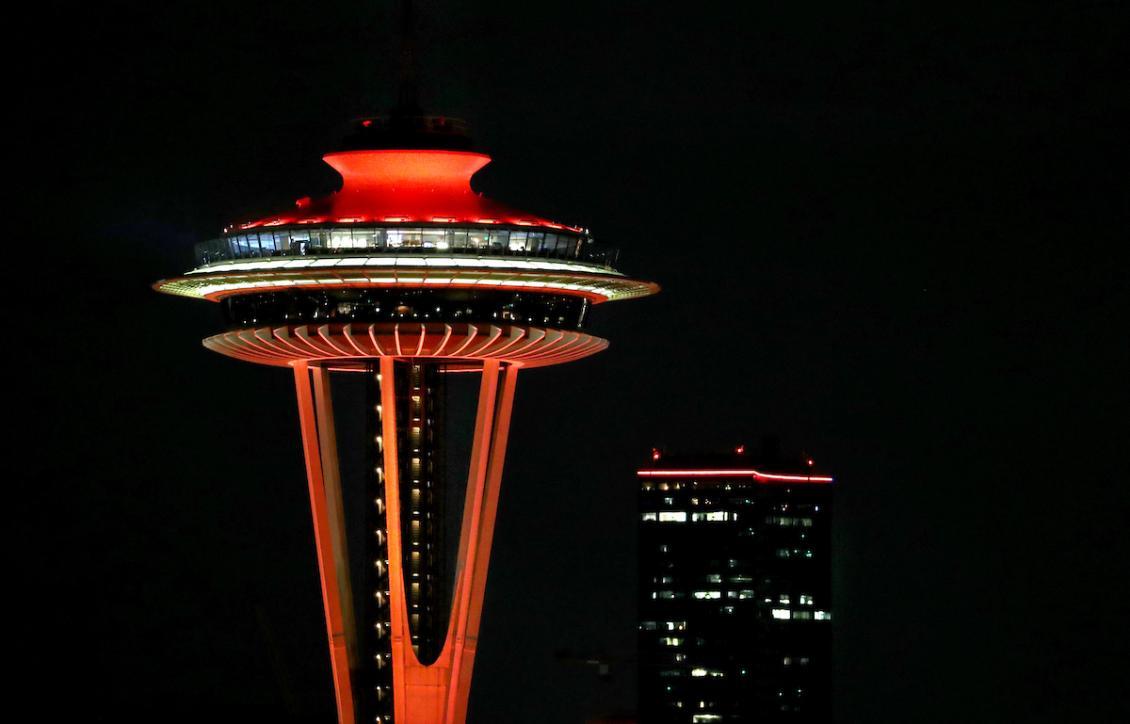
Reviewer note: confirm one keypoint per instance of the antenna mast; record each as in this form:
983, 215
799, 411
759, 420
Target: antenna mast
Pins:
408, 102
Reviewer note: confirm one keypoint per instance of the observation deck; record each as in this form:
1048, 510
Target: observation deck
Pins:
406, 250
405, 218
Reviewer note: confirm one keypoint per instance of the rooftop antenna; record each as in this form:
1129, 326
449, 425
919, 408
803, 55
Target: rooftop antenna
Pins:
406, 125
407, 102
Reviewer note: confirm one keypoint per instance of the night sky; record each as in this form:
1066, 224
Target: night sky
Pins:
885, 234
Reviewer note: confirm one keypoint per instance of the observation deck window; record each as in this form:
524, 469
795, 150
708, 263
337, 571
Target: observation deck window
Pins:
283, 241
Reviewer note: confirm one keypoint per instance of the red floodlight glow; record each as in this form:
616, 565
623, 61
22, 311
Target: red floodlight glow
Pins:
398, 186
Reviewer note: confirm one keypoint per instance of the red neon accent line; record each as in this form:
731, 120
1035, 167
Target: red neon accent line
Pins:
443, 342
376, 344
517, 334
756, 474
348, 334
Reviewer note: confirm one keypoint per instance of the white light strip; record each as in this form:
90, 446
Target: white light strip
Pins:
201, 288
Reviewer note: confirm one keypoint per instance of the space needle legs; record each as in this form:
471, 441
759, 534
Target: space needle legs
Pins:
436, 693
315, 415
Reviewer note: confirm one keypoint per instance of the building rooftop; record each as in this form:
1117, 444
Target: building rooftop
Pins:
766, 465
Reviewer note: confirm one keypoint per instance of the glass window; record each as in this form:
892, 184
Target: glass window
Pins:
343, 239
282, 240
500, 238
319, 238
478, 238
364, 238
433, 238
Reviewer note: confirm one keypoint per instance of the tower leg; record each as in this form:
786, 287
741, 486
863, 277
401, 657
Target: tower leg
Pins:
438, 693
335, 508
324, 528
473, 573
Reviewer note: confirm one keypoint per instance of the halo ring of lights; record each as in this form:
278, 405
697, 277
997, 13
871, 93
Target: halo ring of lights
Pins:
597, 287
343, 346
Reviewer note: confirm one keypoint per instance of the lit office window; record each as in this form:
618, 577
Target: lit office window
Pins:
782, 614
673, 516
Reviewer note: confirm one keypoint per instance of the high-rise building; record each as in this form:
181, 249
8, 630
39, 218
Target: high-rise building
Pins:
405, 276
734, 589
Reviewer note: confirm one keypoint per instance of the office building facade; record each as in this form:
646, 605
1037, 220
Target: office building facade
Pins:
734, 589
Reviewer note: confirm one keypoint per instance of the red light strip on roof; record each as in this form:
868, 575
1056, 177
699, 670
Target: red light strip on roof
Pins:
755, 474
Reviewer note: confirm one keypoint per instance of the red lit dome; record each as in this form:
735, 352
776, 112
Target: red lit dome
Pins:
405, 186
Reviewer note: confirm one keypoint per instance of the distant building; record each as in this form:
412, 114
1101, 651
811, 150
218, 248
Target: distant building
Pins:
735, 589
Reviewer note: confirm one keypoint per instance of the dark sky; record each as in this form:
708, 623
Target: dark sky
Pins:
886, 232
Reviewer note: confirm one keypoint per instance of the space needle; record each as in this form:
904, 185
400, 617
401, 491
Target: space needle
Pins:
405, 275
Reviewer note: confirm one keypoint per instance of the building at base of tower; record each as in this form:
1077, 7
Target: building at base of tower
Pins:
734, 589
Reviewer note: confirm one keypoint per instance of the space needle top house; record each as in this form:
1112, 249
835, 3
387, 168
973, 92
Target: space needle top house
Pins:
404, 275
